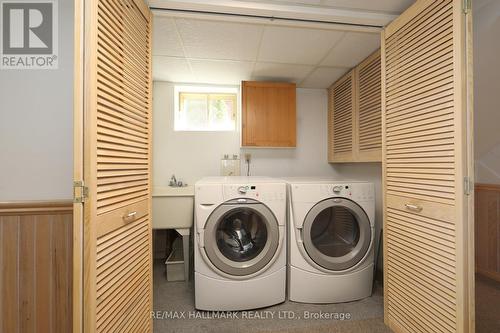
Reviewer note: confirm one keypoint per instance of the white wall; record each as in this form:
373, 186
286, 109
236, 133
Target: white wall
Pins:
188, 155
192, 156
486, 85
36, 125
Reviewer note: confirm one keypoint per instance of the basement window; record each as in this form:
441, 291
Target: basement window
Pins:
205, 108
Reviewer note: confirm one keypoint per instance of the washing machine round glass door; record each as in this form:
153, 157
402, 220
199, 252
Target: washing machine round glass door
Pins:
241, 237
336, 234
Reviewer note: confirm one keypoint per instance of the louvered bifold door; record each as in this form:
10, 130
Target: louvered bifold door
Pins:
427, 263
341, 133
368, 111
117, 163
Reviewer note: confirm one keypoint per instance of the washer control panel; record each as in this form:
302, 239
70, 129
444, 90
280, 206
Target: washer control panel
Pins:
255, 191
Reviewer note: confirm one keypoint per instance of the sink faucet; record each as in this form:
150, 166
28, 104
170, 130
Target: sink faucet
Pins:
173, 181
176, 183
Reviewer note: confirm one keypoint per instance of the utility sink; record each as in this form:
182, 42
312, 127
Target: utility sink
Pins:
173, 207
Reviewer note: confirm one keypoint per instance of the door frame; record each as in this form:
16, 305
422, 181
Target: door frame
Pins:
78, 172
78, 149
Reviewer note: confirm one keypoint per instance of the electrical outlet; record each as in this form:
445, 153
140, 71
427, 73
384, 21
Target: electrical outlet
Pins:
248, 157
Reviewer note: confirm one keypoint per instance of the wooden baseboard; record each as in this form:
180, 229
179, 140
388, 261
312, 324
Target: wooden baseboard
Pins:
35, 207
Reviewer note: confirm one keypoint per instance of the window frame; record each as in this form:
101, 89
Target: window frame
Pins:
208, 91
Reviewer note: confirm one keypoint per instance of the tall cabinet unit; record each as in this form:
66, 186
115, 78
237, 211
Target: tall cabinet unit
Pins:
355, 113
428, 250
117, 251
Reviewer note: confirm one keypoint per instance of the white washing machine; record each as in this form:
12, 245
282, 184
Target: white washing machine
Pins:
331, 240
240, 235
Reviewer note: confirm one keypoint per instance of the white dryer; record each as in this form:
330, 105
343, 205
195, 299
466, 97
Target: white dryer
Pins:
331, 240
240, 235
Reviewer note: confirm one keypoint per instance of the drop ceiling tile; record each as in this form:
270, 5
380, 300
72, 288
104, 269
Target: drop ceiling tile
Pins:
296, 45
221, 71
291, 2
171, 69
165, 38
323, 77
280, 72
352, 49
392, 6
219, 40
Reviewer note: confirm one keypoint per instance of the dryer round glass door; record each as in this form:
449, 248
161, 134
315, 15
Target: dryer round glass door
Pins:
241, 238
337, 234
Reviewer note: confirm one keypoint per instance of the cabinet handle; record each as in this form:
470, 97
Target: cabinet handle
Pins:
130, 216
414, 208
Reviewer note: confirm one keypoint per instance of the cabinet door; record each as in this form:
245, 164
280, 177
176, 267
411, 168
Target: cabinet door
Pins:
368, 111
269, 115
117, 262
428, 239
341, 129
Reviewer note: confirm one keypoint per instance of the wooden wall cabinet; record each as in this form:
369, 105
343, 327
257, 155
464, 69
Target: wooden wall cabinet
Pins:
268, 114
354, 114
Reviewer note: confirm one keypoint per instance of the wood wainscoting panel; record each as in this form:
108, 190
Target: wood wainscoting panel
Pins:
487, 230
36, 260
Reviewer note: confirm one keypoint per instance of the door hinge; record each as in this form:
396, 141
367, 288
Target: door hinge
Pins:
80, 191
467, 186
466, 6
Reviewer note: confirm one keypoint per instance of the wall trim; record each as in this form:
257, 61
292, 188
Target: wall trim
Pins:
35, 207
487, 187
488, 274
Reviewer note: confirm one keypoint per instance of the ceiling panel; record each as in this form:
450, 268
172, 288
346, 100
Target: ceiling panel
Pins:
219, 40
295, 2
323, 77
280, 72
223, 72
295, 45
394, 6
196, 49
166, 40
352, 49
171, 69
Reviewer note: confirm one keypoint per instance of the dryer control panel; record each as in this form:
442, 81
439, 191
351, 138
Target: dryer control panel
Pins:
353, 191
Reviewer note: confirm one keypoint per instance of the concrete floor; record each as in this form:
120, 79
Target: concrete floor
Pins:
177, 299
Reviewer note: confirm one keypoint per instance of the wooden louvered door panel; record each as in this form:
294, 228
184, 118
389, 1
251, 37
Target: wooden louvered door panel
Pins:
369, 113
428, 268
341, 132
117, 163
